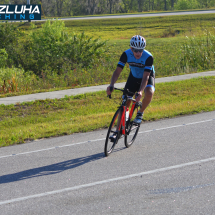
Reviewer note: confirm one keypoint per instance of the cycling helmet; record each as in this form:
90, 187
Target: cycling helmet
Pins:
138, 42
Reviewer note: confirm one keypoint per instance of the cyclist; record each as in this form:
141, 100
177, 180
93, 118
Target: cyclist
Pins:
142, 74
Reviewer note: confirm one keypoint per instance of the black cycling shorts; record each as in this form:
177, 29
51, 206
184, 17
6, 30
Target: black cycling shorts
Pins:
133, 84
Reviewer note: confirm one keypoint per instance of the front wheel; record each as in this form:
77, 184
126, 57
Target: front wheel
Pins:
113, 134
131, 132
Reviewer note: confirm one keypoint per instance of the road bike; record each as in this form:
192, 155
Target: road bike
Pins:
120, 126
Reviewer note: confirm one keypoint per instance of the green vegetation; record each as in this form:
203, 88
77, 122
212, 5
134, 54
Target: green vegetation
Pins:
62, 8
81, 113
3, 57
52, 60
198, 53
150, 27
52, 49
9, 35
55, 55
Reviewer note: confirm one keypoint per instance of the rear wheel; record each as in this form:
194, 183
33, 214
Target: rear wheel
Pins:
131, 130
113, 134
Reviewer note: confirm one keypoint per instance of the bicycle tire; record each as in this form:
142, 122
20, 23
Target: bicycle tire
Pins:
110, 144
132, 131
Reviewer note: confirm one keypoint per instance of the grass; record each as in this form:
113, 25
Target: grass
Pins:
150, 27
165, 36
47, 118
170, 58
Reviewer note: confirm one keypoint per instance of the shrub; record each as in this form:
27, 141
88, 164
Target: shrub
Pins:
169, 32
9, 36
198, 53
16, 80
3, 58
186, 4
52, 48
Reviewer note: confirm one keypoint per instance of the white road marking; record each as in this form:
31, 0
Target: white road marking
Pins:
176, 126
106, 181
90, 141
55, 147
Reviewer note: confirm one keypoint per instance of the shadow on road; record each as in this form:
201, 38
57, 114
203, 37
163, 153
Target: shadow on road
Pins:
50, 169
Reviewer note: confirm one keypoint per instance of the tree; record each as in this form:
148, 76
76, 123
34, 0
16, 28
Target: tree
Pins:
84, 7
110, 5
59, 5
126, 5
91, 7
140, 5
67, 7
4, 1
152, 4
172, 4
9, 35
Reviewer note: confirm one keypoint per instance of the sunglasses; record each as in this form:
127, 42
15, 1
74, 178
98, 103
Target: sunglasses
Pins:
137, 50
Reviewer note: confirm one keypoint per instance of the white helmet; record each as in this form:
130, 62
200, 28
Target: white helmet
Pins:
138, 42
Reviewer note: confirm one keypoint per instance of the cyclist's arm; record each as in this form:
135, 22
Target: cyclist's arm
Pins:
144, 81
115, 76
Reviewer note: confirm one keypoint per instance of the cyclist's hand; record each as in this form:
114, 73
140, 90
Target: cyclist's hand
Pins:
109, 90
138, 96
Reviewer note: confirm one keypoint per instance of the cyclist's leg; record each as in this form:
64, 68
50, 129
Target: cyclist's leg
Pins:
133, 85
149, 92
148, 95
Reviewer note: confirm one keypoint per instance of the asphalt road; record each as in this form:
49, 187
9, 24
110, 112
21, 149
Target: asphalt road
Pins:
168, 170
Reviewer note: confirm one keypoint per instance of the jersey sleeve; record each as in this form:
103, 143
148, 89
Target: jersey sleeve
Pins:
148, 64
122, 60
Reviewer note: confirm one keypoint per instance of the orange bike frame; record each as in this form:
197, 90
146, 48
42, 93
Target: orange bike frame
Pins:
122, 122
132, 109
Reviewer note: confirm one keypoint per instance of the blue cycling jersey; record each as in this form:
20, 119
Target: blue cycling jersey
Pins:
137, 66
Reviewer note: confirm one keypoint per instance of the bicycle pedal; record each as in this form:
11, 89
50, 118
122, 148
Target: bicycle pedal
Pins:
112, 138
136, 124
